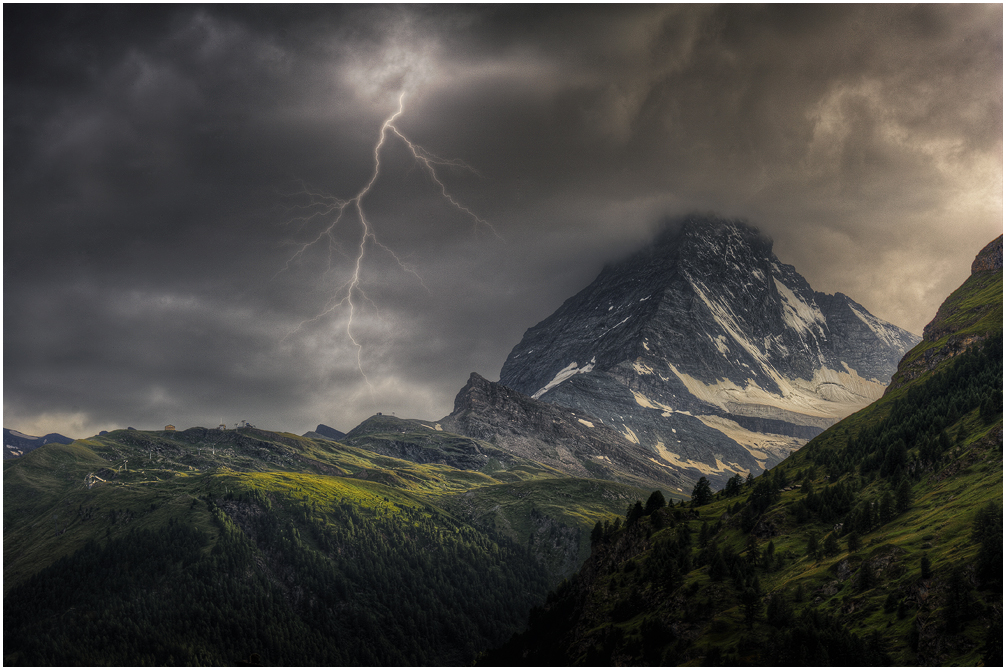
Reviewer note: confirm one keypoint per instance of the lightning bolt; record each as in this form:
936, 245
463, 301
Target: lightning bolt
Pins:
325, 206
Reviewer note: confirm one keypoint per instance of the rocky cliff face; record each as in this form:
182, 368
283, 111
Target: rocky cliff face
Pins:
572, 442
706, 350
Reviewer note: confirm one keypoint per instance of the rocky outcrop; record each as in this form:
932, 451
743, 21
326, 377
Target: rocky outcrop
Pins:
572, 442
989, 259
855, 335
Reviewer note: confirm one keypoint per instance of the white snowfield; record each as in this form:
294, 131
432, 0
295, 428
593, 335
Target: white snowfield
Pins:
801, 405
563, 375
830, 395
670, 458
797, 314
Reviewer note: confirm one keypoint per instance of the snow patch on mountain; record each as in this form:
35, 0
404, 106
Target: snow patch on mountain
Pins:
643, 401
720, 342
563, 375
630, 435
674, 460
642, 368
728, 321
827, 395
761, 446
797, 314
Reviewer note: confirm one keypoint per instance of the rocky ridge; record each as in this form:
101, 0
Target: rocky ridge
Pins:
572, 442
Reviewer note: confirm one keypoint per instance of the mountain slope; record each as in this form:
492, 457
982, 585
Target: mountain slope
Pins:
707, 350
970, 314
575, 444
202, 547
428, 442
880, 542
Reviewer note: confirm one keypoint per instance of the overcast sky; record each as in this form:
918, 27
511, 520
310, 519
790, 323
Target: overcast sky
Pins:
173, 177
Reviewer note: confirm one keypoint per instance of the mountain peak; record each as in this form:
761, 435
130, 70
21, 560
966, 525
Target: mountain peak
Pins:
709, 226
705, 332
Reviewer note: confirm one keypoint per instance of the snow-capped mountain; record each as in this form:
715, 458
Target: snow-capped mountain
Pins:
706, 349
16, 443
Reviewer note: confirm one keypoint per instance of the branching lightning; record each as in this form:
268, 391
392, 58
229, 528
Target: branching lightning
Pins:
335, 209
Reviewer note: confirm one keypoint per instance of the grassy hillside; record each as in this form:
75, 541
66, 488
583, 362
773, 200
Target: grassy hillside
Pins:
206, 546
880, 542
971, 313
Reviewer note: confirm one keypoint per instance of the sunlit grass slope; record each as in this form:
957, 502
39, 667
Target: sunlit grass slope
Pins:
146, 547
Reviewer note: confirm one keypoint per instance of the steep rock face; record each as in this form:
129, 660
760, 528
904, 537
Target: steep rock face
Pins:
572, 442
707, 350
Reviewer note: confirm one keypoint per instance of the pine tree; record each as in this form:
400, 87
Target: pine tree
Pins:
902, 609
812, 546
596, 534
654, 502
751, 603
957, 600
718, 567
633, 514
886, 507
831, 545
702, 494
987, 529
704, 534
865, 577
903, 496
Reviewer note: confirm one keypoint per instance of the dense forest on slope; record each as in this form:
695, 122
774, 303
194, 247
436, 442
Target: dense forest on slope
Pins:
204, 547
333, 584
878, 543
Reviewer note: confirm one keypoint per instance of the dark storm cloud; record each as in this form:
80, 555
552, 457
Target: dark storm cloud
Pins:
156, 165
